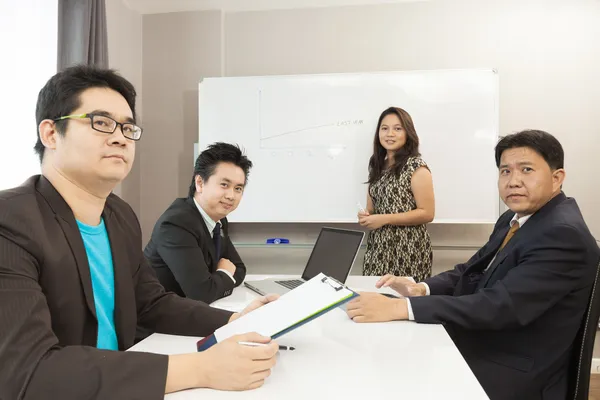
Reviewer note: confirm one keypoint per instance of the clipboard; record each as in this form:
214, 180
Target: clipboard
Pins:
297, 307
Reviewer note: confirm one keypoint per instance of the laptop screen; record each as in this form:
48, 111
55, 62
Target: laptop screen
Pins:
333, 254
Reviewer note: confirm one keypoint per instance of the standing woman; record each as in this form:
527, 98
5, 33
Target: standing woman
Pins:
400, 201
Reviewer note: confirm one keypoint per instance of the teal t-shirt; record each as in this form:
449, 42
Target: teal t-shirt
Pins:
97, 247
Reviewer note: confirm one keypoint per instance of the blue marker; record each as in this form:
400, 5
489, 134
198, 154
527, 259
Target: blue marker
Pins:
278, 241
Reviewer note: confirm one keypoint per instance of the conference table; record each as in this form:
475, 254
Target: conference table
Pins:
336, 358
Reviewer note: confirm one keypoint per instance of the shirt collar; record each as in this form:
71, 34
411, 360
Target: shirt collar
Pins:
210, 224
521, 220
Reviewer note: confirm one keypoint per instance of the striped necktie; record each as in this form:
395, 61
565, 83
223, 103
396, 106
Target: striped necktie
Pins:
510, 234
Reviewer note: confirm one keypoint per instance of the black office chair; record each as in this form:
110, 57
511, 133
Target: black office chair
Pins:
583, 347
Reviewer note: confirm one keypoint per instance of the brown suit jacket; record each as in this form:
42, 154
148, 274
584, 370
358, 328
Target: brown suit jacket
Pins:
48, 326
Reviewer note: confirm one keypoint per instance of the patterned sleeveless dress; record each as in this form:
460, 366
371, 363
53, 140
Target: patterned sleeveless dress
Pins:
393, 249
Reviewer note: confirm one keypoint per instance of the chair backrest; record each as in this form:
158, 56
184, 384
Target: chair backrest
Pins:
583, 346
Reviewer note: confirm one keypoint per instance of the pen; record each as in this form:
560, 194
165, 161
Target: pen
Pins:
360, 207
253, 344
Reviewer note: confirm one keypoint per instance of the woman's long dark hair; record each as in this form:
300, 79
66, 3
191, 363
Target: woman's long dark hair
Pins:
377, 163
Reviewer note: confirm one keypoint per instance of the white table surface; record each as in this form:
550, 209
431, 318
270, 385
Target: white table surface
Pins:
336, 358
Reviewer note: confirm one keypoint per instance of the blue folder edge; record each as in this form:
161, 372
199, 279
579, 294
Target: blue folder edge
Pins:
211, 340
206, 343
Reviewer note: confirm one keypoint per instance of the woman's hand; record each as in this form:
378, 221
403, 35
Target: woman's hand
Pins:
362, 213
372, 221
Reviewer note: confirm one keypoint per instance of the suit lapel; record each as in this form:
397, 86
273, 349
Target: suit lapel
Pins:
78, 249
495, 243
66, 220
502, 254
490, 271
474, 275
124, 295
207, 234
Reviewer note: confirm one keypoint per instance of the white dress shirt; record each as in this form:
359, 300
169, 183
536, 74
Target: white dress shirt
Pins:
210, 224
521, 221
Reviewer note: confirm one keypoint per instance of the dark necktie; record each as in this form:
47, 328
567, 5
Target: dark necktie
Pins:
217, 240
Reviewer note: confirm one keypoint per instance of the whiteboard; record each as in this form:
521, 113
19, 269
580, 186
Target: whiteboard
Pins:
310, 138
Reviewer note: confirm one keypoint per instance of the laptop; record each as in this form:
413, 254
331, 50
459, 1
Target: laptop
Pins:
333, 254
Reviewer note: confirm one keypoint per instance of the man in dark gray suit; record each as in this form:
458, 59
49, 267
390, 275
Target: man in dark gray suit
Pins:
514, 309
73, 280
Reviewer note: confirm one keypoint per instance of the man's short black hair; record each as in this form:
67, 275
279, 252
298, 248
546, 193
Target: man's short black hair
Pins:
541, 142
216, 153
61, 95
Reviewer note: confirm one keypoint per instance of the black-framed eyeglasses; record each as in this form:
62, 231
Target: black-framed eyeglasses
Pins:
102, 123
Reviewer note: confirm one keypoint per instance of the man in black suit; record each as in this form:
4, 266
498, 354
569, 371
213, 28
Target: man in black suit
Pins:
190, 248
73, 280
514, 309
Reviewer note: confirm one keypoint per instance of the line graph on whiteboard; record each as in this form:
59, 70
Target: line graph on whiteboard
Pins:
311, 128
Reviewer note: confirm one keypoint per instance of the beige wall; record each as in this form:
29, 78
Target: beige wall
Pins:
125, 54
179, 50
546, 53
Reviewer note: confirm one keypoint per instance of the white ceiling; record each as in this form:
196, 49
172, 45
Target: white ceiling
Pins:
164, 6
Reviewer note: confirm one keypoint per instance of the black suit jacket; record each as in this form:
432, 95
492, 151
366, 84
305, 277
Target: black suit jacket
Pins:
515, 324
48, 325
182, 252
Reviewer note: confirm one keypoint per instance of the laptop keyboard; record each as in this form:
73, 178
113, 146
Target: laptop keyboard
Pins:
290, 284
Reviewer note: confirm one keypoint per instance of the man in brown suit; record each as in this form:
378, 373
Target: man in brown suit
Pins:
74, 283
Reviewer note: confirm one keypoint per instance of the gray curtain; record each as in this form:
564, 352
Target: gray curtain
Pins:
82, 34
